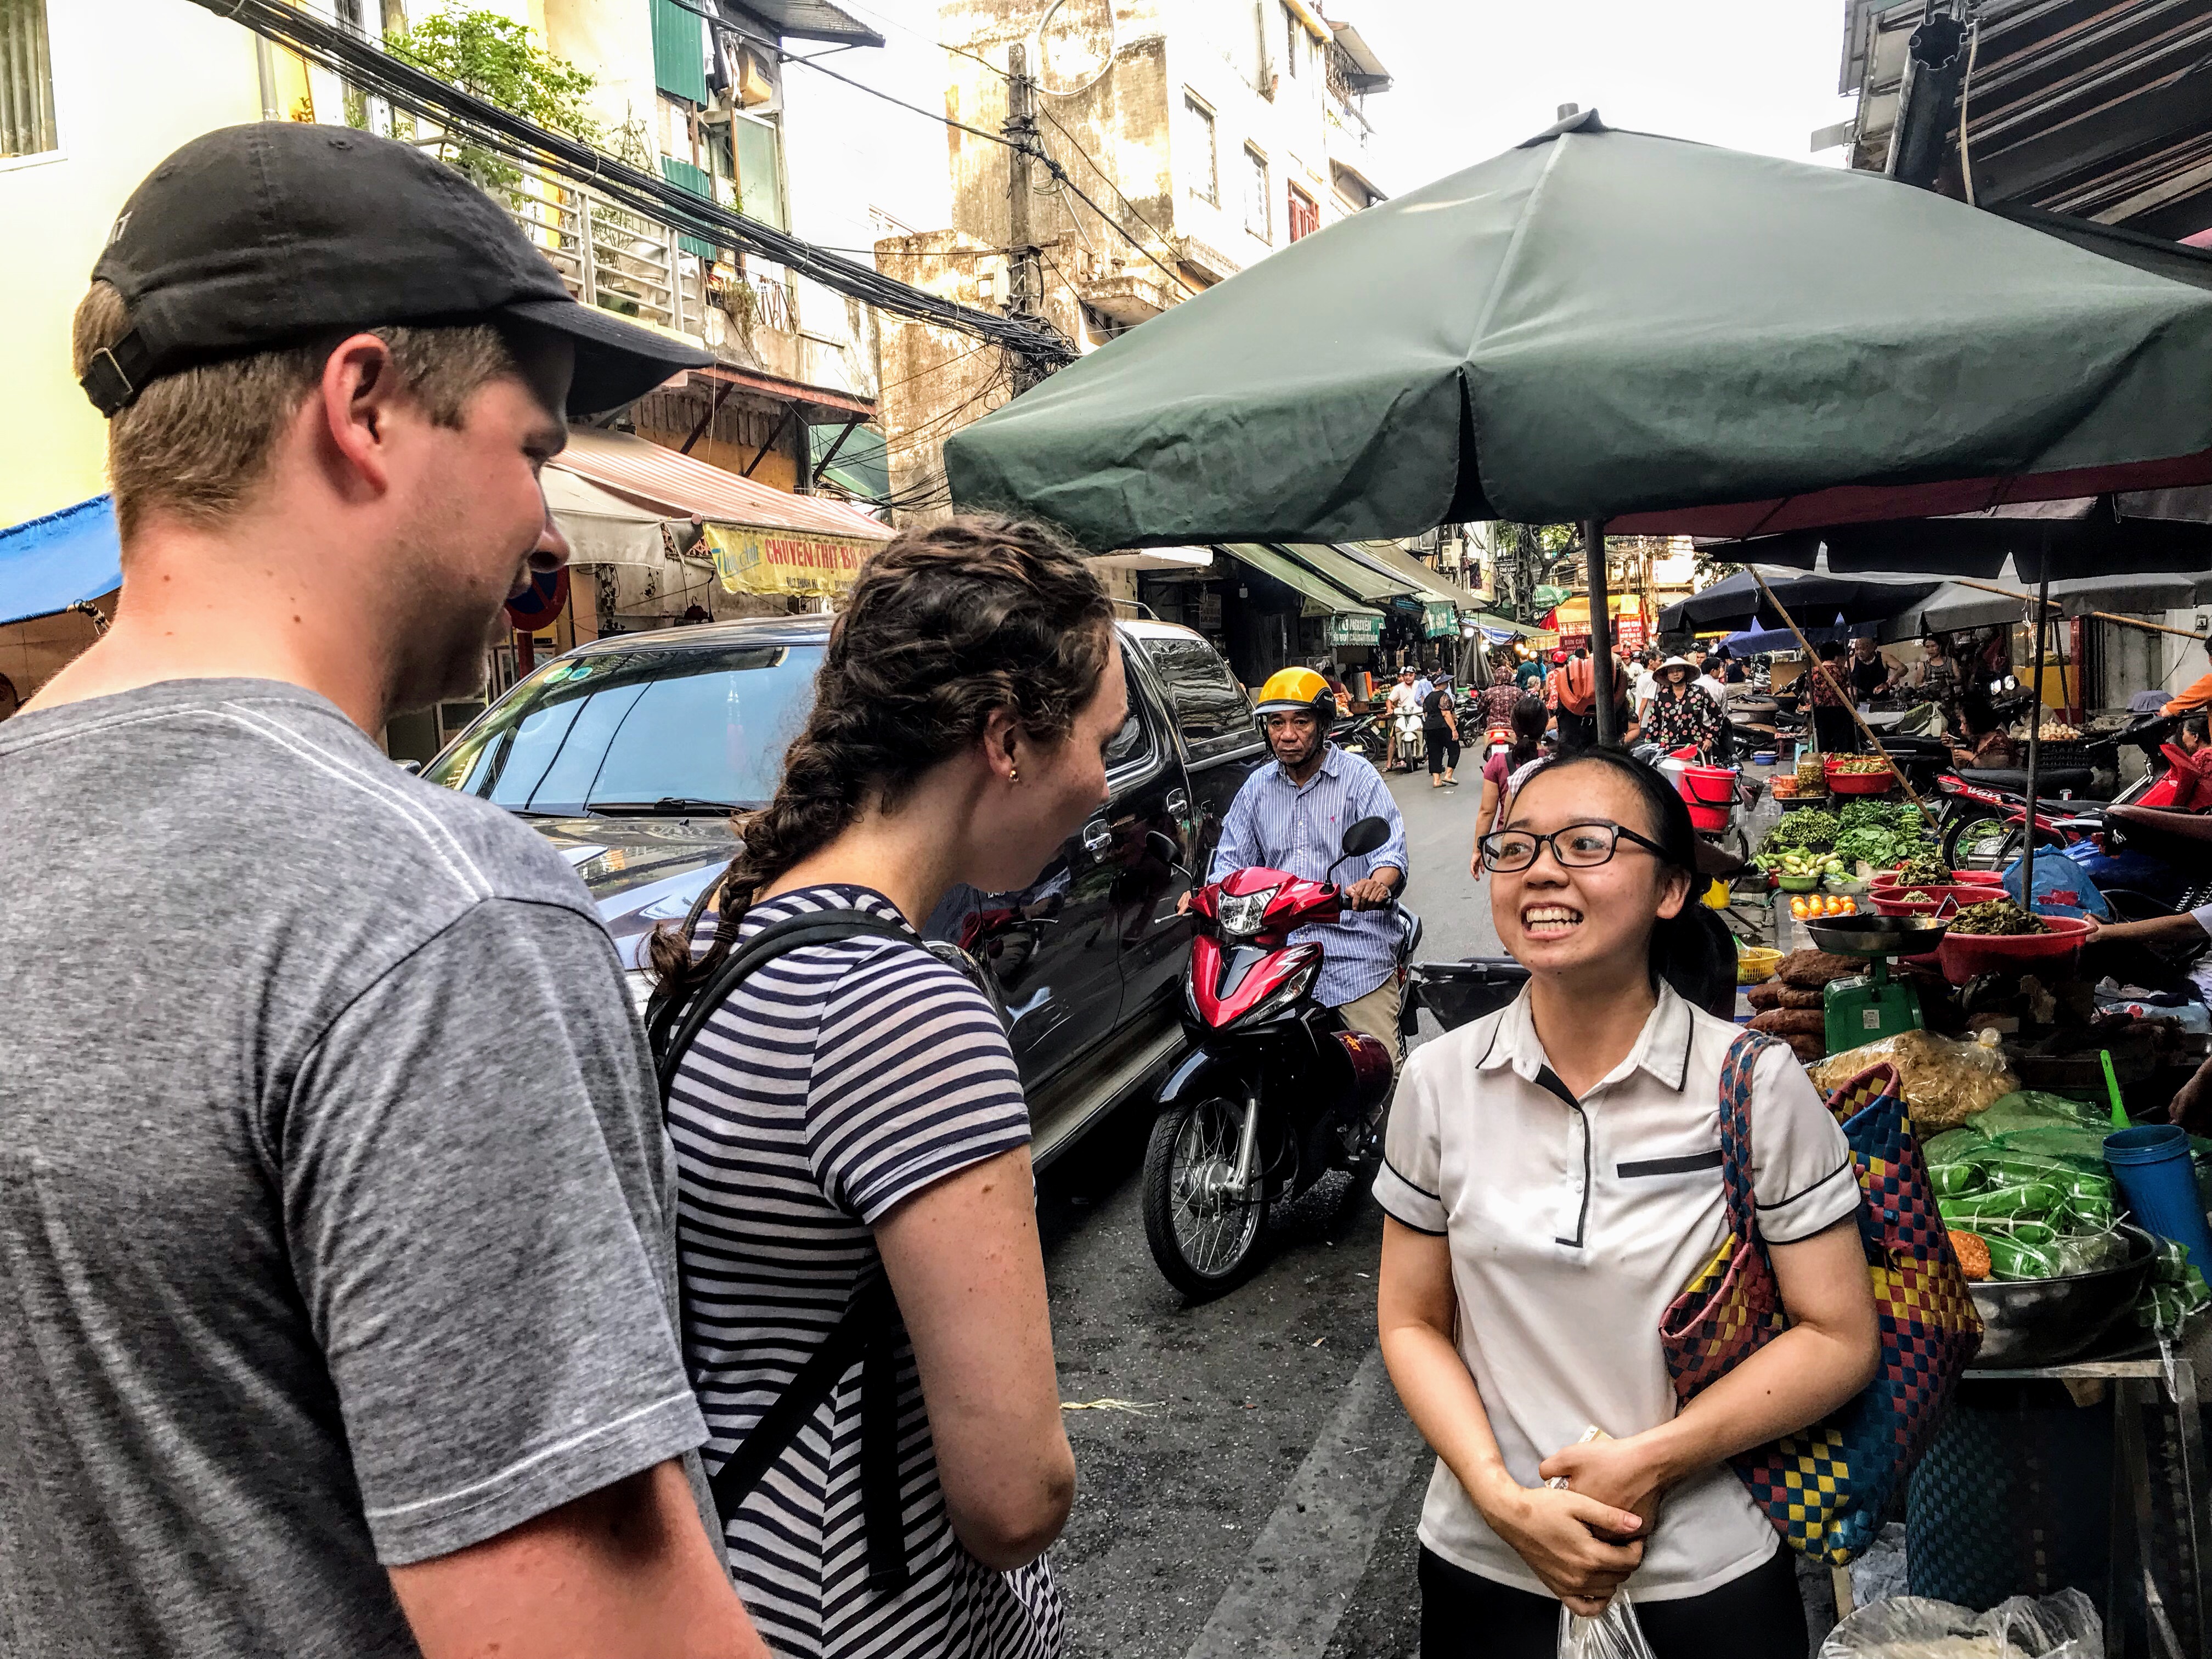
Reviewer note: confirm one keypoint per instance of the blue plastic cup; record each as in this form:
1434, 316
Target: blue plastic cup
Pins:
2153, 1166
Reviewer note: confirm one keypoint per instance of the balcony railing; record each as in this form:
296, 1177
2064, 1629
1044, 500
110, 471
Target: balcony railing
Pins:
612, 257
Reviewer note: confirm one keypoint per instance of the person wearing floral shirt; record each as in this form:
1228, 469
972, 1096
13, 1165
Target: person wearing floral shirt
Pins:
1679, 715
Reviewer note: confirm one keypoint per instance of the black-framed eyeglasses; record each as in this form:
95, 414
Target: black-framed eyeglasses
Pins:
1577, 847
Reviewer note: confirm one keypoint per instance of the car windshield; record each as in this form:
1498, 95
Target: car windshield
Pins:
655, 728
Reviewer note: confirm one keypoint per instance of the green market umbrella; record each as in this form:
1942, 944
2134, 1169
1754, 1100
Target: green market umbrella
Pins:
1615, 326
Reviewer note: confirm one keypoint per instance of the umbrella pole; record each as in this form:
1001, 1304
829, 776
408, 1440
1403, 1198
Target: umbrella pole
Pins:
1601, 645
1816, 666
2035, 737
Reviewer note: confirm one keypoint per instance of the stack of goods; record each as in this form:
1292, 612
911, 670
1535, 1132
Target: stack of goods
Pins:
2024, 1190
1945, 1081
1788, 1007
1861, 775
1809, 777
1799, 835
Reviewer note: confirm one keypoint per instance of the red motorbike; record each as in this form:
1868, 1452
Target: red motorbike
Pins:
1277, 1090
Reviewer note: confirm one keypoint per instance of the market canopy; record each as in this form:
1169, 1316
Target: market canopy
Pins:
2089, 539
1736, 601
1788, 346
762, 540
65, 558
1321, 597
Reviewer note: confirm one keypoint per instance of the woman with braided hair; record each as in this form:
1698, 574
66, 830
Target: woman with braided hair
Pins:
850, 1119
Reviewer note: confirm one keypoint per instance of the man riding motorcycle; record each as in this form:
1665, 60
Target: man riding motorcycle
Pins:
1292, 817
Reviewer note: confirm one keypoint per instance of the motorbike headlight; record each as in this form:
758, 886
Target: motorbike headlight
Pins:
1240, 915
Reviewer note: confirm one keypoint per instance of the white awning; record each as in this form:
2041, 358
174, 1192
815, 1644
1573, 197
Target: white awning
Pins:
601, 527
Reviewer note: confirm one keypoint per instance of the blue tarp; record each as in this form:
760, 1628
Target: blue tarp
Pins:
63, 559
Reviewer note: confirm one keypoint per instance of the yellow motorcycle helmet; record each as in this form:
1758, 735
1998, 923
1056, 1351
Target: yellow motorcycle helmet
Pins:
1296, 690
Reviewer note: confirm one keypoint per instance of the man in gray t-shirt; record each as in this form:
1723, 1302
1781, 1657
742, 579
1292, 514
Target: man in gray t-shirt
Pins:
340, 1306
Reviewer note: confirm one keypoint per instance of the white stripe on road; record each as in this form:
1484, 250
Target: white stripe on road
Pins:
1293, 1587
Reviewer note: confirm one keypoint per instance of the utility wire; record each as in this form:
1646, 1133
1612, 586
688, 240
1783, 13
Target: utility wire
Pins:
1035, 152
476, 121
1128, 206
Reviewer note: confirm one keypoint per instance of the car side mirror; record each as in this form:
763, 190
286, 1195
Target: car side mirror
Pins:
1363, 836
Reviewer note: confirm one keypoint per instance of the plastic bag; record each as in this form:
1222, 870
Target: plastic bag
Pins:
2061, 1626
1946, 1081
1613, 1634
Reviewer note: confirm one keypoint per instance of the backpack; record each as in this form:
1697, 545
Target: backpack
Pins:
1579, 686
867, 1331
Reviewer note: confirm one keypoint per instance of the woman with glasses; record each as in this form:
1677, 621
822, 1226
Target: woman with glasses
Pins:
1551, 1183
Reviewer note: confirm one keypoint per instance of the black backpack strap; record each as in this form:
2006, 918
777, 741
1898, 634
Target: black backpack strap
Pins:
868, 1331
866, 1335
673, 1028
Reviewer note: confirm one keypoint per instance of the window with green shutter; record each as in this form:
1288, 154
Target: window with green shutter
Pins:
695, 179
679, 52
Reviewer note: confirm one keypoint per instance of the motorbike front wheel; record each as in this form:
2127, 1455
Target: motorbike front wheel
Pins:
1203, 1237
1980, 839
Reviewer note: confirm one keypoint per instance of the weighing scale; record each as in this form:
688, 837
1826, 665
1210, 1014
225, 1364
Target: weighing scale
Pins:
1871, 1006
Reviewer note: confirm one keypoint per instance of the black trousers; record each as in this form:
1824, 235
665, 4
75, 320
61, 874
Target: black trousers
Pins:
1758, 1616
1837, 731
1443, 747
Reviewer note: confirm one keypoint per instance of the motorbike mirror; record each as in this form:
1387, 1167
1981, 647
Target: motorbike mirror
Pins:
1365, 836
1161, 845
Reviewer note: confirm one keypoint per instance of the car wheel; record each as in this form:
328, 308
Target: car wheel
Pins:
1203, 1238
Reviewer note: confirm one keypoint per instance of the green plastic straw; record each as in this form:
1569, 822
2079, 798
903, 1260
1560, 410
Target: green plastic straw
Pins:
2112, 1088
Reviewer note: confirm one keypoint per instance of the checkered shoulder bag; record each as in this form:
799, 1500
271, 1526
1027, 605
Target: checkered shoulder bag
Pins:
1827, 1487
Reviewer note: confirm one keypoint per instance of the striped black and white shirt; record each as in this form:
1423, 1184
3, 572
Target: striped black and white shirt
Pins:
838, 1080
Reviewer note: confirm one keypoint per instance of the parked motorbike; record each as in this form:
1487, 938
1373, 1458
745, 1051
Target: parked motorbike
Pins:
1412, 750
1277, 1090
1362, 734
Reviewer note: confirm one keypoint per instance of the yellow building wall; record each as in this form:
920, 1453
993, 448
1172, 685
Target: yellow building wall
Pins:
133, 79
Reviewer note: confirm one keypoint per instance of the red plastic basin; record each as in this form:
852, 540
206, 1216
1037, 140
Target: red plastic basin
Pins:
1707, 786
1964, 954
1891, 901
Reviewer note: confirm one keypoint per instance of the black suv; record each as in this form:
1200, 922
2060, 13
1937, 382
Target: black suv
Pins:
629, 753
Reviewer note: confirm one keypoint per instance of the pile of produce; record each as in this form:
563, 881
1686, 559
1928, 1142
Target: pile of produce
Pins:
1859, 765
2059, 732
1797, 862
2026, 1194
1818, 907
1789, 1005
1923, 863
1879, 833
1996, 916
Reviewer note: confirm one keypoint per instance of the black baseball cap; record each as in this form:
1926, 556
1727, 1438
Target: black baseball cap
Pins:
254, 238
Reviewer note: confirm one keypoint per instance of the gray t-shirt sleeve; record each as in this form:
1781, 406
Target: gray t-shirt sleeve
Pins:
470, 1162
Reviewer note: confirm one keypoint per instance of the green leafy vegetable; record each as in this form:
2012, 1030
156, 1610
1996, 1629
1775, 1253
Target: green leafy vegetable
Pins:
1807, 828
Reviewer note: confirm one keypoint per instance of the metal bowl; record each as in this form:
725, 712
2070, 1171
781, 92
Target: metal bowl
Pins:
1876, 936
2042, 1321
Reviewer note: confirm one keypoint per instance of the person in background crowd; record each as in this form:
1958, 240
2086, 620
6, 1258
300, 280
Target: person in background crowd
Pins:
1440, 734
1529, 675
2198, 693
1868, 673
1494, 708
1996, 656
1833, 728
1337, 688
1936, 676
1423, 684
1520, 1293
1404, 698
1732, 672
1681, 715
340, 1264
1570, 684
1709, 681
1292, 816
852, 1109
1504, 771
1644, 680
1987, 747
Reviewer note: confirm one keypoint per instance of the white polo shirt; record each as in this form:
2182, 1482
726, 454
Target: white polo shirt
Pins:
1573, 1225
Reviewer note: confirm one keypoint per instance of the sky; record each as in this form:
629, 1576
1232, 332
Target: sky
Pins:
1472, 77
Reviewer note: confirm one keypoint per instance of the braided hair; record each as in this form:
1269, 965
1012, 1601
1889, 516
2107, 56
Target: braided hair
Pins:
945, 626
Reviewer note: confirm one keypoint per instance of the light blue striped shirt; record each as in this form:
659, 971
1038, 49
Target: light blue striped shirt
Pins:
1275, 823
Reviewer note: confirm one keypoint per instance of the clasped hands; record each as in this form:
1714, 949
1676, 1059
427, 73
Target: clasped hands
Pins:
1584, 1539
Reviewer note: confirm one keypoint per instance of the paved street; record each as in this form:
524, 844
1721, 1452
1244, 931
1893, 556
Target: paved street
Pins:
1264, 1497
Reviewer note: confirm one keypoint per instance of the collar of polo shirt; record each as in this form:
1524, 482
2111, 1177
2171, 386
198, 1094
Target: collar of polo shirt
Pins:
1330, 754
1662, 1049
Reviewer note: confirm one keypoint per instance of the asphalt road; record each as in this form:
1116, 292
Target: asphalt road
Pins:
1257, 1491
1248, 1483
